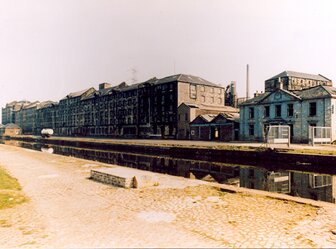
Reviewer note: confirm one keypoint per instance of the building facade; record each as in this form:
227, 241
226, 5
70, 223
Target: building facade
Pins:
293, 81
299, 109
9, 111
146, 109
212, 127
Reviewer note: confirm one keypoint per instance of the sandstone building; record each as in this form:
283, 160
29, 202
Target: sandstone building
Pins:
299, 103
146, 109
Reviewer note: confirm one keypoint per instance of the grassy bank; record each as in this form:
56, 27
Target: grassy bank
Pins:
10, 191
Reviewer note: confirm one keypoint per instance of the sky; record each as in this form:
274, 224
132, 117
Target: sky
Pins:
49, 48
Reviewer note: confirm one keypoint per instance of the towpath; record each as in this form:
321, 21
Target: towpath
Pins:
68, 210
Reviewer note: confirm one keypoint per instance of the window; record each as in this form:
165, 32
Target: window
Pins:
318, 181
186, 117
203, 99
219, 100
211, 89
251, 113
193, 91
267, 111
212, 100
202, 88
251, 130
278, 110
290, 110
312, 109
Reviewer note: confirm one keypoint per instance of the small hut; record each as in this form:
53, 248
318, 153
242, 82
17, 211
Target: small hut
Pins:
10, 130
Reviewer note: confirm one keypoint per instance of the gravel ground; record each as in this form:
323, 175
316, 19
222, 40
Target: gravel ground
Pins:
67, 210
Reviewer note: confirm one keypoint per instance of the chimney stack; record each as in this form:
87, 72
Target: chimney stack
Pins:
280, 83
247, 81
104, 86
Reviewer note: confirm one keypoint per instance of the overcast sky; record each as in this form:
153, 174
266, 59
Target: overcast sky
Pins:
49, 48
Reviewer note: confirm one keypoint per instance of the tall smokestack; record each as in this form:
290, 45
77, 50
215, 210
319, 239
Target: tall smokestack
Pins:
247, 81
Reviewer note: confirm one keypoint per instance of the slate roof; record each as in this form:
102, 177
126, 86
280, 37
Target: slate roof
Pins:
31, 105
315, 92
230, 116
77, 94
186, 78
45, 104
257, 99
300, 75
12, 126
208, 117
17, 103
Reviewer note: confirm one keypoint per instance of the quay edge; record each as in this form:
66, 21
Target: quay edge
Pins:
246, 155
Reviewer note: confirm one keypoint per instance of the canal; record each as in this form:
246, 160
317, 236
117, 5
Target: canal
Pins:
273, 178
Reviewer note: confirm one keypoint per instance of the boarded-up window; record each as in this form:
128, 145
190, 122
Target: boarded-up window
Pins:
193, 91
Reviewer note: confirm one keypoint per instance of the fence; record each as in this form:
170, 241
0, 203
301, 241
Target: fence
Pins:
278, 134
319, 135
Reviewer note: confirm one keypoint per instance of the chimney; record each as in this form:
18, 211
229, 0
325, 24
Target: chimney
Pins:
280, 83
247, 81
104, 86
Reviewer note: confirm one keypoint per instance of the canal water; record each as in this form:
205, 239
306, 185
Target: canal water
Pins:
292, 182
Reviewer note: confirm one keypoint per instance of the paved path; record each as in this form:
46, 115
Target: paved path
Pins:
67, 210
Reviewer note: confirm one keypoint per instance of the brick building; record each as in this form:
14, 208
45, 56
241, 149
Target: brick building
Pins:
292, 81
146, 109
9, 111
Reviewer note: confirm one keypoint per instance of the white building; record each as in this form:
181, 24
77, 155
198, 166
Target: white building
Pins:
314, 106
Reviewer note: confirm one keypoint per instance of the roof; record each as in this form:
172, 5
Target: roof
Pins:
211, 107
300, 75
315, 92
17, 104
12, 126
186, 78
31, 105
190, 105
78, 94
257, 99
45, 104
208, 117
230, 116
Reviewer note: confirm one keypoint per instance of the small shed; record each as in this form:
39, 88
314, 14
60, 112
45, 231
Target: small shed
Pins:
222, 127
10, 130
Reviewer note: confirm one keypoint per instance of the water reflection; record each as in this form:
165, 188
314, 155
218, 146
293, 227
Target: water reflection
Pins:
47, 149
307, 185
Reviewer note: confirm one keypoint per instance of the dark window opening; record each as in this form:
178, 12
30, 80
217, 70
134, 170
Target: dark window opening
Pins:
312, 109
278, 110
251, 130
290, 110
251, 113
267, 111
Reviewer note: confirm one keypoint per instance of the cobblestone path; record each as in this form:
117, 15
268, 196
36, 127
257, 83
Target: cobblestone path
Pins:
68, 210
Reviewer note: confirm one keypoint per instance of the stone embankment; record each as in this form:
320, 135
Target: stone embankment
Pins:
68, 210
